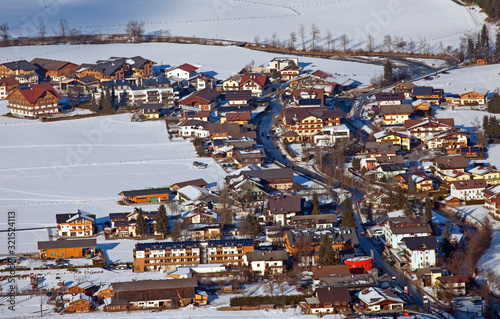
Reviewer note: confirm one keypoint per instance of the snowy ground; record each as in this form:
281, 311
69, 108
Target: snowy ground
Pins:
445, 21
221, 62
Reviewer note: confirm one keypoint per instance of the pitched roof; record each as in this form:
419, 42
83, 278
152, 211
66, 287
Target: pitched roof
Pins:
238, 116
141, 285
67, 218
320, 218
20, 65
34, 92
453, 279
331, 270
421, 243
206, 94
200, 182
75, 243
238, 95
408, 224
149, 191
234, 130
333, 294
413, 124
451, 162
49, 64
104, 67
297, 114
187, 67
396, 109
388, 96
281, 204
267, 255
260, 79
469, 184
270, 174
8, 81
407, 84
374, 295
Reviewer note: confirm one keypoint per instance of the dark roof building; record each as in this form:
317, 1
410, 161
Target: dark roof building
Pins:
58, 244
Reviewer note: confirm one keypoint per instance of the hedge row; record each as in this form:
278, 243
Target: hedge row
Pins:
259, 300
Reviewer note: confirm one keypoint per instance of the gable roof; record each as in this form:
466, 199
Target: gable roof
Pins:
333, 294
284, 204
297, 114
421, 243
374, 295
8, 81
270, 174
104, 67
187, 67
267, 255
49, 64
451, 162
238, 95
142, 285
67, 218
238, 116
408, 224
396, 109
469, 184
413, 124
206, 94
149, 191
388, 96
34, 92
74, 243
20, 65
330, 270
200, 182
259, 79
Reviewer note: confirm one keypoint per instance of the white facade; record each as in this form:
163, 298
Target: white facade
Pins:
34, 111
332, 134
468, 193
393, 240
260, 266
421, 258
194, 130
180, 73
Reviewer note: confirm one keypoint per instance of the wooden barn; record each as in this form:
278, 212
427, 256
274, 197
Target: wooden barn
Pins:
149, 195
86, 288
79, 303
67, 248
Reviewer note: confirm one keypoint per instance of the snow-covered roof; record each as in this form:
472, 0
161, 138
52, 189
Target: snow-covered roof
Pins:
373, 296
80, 214
480, 170
193, 192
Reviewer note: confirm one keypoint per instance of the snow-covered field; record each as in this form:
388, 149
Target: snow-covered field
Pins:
220, 61
243, 19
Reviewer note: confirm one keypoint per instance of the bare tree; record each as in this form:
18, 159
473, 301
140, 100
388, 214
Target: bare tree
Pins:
281, 280
345, 41
269, 286
256, 39
42, 29
225, 206
293, 39
388, 42
411, 46
172, 207
63, 27
370, 42
315, 33
135, 29
275, 41
4, 32
329, 39
302, 34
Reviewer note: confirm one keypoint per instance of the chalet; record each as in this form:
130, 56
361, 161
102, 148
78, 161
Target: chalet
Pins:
405, 87
331, 135
451, 140
139, 67
34, 101
282, 208
397, 228
429, 94
309, 121
280, 63
23, 71
56, 70
199, 182
275, 178
330, 270
238, 97
489, 175
308, 97
161, 293
151, 110
420, 179
389, 98
104, 292
194, 128
231, 130
421, 105
474, 97
456, 285
191, 196
238, 117
318, 79
76, 248
77, 224
206, 99
267, 262
446, 167
200, 215
104, 70
185, 71
84, 85
396, 137
292, 136
232, 83
469, 190
203, 116
314, 221
289, 72
86, 288
328, 300
420, 252
148, 195
79, 303
469, 151
248, 190
423, 128
369, 163
7, 86
374, 149
257, 83
202, 81
376, 299
396, 115
247, 157
202, 231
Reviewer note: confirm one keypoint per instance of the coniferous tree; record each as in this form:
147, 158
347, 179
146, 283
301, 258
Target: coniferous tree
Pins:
428, 209
326, 255
94, 106
369, 213
446, 245
388, 71
400, 199
348, 219
176, 231
112, 98
141, 226
497, 48
356, 163
408, 209
315, 204
411, 185
162, 221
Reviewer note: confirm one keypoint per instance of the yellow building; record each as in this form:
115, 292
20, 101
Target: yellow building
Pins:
397, 138
490, 176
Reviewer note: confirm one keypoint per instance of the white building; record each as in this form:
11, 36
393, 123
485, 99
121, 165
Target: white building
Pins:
397, 228
194, 128
467, 190
420, 251
185, 71
266, 262
332, 134
377, 299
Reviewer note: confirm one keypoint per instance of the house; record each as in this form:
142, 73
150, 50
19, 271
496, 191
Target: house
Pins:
451, 140
447, 167
232, 83
469, 151
232, 131
151, 110
457, 285
426, 127
267, 262
474, 97
77, 224
222, 111
200, 215
374, 149
489, 175
105, 291
56, 70
369, 163
194, 128
280, 63
281, 208
79, 303
492, 200
242, 97
396, 115
159, 256
385, 98
289, 72
7, 86
257, 83
421, 105
83, 85
206, 99
314, 221
238, 117
308, 97
185, 71
34, 101
309, 121
429, 94
374, 299
420, 251
247, 157
86, 288
420, 179
199, 182
274, 179
249, 191
202, 231
148, 195
469, 190
202, 116
397, 228
202, 81
292, 136
391, 170
162, 293
328, 300
140, 68
76, 248
405, 87
190, 196
396, 137
317, 79
23, 71
104, 70
330, 270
